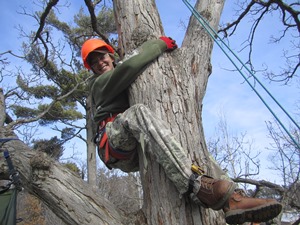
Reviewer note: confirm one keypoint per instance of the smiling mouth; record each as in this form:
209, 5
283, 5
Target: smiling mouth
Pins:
103, 67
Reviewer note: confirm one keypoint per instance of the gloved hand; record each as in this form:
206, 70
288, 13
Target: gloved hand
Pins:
171, 44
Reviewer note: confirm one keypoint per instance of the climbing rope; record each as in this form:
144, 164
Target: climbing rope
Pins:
230, 55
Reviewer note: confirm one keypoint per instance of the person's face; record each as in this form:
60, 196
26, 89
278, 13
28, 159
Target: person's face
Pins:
101, 62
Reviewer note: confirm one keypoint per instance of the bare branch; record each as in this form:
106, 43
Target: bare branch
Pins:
289, 17
11, 53
260, 183
237, 21
288, 14
44, 15
91, 8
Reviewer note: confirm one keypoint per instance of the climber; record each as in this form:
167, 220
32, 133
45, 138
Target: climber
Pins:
122, 128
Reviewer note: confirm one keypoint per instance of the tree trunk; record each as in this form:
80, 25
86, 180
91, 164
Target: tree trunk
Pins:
2, 108
66, 194
173, 88
91, 150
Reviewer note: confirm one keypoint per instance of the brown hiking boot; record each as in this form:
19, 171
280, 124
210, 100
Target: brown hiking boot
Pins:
213, 193
240, 209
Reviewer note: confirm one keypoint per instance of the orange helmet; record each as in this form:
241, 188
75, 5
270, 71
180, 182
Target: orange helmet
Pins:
91, 45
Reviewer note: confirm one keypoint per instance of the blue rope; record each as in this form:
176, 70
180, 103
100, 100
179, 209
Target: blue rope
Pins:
214, 35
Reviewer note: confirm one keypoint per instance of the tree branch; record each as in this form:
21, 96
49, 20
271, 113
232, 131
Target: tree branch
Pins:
91, 8
260, 183
44, 15
22, 121
289, 16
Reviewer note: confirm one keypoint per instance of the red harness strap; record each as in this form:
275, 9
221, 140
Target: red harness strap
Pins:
104, 140
104, 143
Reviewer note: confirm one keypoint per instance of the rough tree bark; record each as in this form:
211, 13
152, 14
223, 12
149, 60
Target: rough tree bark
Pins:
2, 108
91, 148
173, 88
67, 195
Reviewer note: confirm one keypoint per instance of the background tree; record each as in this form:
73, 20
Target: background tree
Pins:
284, 153
120, 189
52, 147
234, 152
56, 76
255, 13
286, 161
236, 155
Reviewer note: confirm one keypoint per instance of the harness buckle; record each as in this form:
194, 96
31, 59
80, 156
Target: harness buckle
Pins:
98, 136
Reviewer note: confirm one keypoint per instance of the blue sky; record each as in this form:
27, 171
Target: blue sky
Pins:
226, 92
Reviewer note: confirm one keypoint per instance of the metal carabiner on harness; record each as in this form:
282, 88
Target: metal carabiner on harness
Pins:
198, 170
98, 136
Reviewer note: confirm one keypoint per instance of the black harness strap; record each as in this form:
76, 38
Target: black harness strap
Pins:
14, 175
192, 180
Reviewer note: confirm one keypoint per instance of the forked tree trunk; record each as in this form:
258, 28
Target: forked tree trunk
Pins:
173, 88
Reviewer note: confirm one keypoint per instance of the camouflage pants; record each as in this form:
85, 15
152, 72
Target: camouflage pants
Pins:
138, 126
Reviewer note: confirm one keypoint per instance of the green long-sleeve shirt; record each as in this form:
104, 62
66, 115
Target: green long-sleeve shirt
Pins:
109, 89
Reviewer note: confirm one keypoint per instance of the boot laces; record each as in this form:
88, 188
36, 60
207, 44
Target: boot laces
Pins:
207, 183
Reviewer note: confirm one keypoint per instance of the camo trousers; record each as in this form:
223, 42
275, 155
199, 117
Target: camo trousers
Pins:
139, 126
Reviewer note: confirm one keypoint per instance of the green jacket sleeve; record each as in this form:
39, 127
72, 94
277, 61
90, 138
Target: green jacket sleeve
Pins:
109, 85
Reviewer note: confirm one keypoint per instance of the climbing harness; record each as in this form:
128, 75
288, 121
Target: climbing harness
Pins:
8, 193
214, 35
102, 141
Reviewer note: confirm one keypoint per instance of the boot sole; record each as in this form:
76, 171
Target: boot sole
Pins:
258, 214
